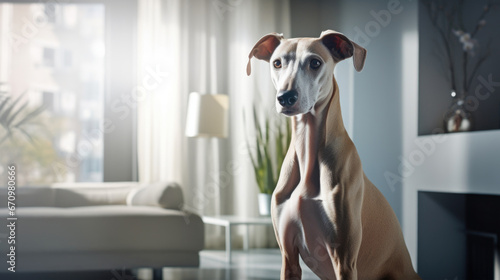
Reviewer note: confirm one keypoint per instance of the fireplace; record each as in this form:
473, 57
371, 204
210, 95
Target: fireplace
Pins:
458, 236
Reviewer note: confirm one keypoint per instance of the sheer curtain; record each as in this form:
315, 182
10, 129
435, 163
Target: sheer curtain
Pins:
203, 46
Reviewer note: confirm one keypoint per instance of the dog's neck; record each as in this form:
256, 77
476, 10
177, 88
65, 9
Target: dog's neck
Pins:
314, 131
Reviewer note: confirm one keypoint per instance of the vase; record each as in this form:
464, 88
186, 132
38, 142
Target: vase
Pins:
457, 118
265, 204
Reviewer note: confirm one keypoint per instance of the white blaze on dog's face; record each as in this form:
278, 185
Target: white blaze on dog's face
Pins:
302, 69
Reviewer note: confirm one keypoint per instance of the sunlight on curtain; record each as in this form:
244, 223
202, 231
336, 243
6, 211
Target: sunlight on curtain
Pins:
203, 46
161, 112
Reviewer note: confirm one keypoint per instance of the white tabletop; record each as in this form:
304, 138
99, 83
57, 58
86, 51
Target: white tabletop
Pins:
225, 220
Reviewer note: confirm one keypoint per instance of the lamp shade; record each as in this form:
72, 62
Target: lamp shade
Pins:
207, 115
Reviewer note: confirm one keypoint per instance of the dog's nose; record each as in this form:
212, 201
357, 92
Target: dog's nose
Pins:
288, 98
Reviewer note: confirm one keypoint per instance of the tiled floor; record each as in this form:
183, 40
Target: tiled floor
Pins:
246, 265
263, 264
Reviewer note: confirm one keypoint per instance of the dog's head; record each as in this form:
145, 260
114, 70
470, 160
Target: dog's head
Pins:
302, 68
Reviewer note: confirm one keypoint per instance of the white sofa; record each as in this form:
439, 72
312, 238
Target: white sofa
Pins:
101, 226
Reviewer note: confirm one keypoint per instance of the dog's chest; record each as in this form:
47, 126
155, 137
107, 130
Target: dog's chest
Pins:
303, 225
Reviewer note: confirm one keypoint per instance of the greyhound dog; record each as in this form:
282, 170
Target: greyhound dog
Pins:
324, 208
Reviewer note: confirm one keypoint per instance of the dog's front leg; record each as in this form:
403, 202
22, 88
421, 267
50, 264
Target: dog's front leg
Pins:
288, 180
290, 269
345, 248
343, 203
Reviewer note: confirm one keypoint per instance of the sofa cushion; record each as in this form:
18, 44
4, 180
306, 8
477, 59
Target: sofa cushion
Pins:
112, 228
91, 194
166, 195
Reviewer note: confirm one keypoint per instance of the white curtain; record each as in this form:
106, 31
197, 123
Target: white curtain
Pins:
203, 46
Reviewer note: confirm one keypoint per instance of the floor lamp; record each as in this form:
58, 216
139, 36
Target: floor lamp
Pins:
207, 116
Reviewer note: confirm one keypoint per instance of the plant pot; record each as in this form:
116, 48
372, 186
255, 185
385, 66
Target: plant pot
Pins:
265, 204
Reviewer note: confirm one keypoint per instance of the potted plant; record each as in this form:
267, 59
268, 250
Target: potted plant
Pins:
271, 144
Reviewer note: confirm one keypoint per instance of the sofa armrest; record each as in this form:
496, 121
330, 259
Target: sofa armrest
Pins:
29, 196
89, 194
162, 194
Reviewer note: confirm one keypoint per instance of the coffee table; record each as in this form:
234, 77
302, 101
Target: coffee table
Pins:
229, 221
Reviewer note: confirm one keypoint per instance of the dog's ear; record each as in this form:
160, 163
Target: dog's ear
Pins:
264, 48
341, 48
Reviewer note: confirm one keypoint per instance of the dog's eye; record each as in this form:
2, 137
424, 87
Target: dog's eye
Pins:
315, 64
277, 63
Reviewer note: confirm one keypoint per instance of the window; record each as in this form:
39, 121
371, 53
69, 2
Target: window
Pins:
55, 53
51, 54
67, 58
50, 13
49, 57
48, 100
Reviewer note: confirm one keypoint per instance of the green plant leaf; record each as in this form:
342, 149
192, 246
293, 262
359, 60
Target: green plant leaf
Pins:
3, 103
4, 117
267, 160
255, 165
280, 153
289, 132
7, 135
25, 133
30, 116
10, 119
13, 117
266, 122
270, 184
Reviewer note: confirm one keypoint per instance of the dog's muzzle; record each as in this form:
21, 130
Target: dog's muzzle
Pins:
288, 98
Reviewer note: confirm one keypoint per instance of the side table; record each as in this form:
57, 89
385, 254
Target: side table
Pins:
229, 221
